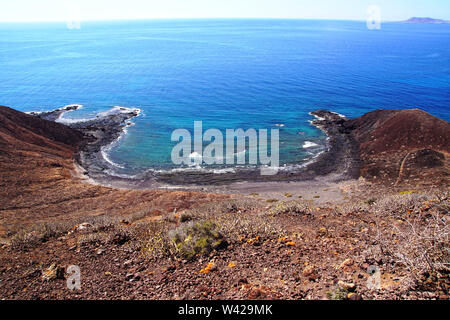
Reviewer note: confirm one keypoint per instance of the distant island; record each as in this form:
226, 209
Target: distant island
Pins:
426, 20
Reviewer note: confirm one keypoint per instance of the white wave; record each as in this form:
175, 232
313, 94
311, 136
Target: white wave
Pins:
339, 114
222, 171
104, 151
194, 169
293, 167
195, 159
63, 120
195, 155
321, 118
315, 116
122, 175
118, 110
309, 144
69, 108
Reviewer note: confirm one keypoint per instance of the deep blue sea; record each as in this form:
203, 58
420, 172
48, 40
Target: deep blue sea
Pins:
227, 73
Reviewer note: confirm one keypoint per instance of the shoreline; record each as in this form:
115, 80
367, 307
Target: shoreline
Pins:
338, 162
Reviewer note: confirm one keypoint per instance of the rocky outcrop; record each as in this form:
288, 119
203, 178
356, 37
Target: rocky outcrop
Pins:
402, 146
98, 133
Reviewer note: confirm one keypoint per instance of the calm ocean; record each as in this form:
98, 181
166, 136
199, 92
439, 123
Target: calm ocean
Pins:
227, 73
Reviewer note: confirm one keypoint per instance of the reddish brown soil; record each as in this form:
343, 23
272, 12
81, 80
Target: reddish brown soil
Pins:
320, 250
36, 183
36, 161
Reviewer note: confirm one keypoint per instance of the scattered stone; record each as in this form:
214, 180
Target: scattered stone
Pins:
128, 263
310, 272
347, 263
129, 277
53, 272
81, 226
354, 296
347, 285
254, 294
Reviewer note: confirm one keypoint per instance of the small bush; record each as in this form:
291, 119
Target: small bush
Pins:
238, 226
39, 233
420, 241
337, 293
398, 205
185, 217
120, 236
98, 238
421, 246
154, 240
24, 240
350, 207
196, 238
291, 207
212, 210
408, 192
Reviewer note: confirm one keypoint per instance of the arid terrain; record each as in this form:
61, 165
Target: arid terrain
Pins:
383, 234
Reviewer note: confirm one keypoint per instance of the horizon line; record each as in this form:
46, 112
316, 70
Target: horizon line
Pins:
192, 18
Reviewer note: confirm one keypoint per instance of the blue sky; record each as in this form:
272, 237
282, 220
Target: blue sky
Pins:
60, 10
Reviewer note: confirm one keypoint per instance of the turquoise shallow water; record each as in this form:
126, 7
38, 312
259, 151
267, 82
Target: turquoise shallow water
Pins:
227, 73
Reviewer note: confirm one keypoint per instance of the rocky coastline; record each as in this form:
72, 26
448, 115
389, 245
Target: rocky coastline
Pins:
347, 155
340, 157
99, 133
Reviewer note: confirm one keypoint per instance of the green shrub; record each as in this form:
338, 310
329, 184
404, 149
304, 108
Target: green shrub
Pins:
408, 192
153, 238
337, 293
196, 238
